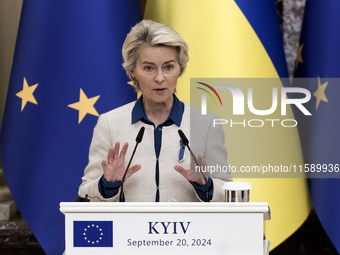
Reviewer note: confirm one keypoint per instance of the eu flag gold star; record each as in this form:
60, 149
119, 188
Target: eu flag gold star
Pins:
26, 94
320, 93
298, 56
85, 106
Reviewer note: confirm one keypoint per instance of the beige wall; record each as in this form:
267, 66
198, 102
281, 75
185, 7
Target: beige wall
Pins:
9, 21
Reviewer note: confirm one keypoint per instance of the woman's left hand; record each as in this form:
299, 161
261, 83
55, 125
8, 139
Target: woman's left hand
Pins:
194, 174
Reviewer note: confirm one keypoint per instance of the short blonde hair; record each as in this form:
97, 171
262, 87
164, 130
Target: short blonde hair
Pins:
150, 33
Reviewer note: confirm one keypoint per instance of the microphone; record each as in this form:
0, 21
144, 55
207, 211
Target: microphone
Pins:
81, 199
186, 143
139, 138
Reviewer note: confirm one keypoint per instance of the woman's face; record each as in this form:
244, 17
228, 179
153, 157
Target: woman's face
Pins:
157, 71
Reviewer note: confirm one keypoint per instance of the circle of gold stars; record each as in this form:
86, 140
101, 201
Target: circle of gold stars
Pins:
96, 227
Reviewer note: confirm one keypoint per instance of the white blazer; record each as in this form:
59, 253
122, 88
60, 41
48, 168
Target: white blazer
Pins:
115, 125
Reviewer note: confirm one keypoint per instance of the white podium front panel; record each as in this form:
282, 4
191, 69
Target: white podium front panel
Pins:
164, 228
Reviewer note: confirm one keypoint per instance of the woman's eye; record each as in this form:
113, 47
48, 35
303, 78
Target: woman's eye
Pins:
148, 68
168, 67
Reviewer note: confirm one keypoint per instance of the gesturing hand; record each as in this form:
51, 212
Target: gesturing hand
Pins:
193, 174
114, 167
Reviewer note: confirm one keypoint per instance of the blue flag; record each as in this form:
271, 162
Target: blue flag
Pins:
92, 234
319, 58
67, 69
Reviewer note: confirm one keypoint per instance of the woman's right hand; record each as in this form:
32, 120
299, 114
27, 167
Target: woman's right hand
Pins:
114, 168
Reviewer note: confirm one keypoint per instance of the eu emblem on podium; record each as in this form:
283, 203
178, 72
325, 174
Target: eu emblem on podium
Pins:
93, 233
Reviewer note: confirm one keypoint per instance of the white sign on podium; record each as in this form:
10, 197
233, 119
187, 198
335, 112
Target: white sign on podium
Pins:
164, 228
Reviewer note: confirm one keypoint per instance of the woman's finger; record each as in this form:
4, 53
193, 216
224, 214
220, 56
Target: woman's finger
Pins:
133, 170
104, 164
110, 155
116, 150
124, 150
182, 171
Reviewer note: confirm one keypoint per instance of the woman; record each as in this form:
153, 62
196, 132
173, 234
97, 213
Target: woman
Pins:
154, 57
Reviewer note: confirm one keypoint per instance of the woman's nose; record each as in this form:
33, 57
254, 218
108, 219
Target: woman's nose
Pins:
159, 78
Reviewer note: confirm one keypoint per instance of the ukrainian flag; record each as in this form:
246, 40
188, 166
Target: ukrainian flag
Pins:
241, 39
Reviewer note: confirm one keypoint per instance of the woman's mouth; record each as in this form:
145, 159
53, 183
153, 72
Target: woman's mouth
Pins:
160, 90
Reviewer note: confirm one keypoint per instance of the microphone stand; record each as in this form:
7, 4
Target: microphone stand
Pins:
138, 140
186, 143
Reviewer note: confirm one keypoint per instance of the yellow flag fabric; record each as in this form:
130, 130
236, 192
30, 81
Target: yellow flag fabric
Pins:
222, 44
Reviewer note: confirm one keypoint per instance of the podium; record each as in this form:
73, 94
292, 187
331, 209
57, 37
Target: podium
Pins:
165, 228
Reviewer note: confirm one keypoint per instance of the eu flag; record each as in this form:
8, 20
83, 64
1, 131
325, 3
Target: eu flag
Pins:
92, 233
66, 71
319, 58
